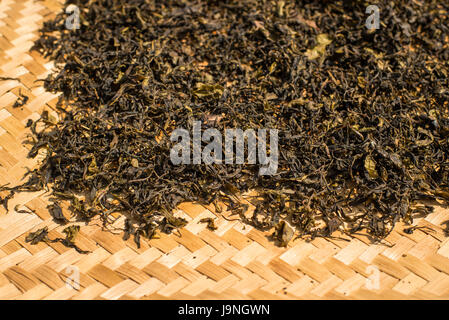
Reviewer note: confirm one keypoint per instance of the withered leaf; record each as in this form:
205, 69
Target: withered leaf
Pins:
56, 212
71, 232
37, 236
208, 90
283, 233
177, 222
320, 49
210, 223
26, 210
370, 166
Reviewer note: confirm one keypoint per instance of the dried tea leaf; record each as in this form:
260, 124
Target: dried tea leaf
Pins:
283, 233
443, 193
21, 101
410, 230
69, 240
135, 163
129, 230
37, 236
210, 223
208, 90
71, 233
320, 49
26, 210
56, 212
370, 166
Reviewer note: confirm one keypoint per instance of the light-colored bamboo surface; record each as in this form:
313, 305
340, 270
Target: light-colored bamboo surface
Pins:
233, 262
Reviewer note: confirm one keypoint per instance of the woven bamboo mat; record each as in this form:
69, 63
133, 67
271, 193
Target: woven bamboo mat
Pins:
233, 262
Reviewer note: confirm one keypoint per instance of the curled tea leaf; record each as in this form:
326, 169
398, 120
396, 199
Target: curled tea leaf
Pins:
21, 101
370, 166
320, 49
208, 90
71, 233
210, 223
37, 236
56, 212
283, 233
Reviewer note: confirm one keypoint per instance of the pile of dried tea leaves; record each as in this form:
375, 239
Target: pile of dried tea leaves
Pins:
362, 114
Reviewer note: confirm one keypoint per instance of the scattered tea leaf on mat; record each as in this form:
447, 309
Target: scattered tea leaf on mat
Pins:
283, 233
71, 233
210, 223
21, 100
56, 212
37, 236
